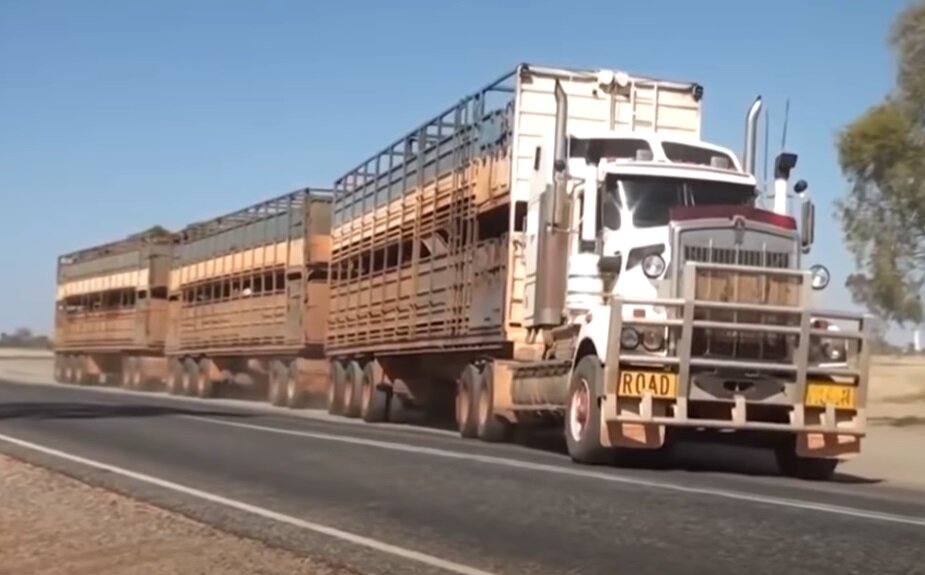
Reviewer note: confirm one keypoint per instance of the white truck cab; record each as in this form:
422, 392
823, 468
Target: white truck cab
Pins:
687, 301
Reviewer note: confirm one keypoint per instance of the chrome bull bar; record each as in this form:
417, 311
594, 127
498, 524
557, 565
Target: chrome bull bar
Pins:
682, 318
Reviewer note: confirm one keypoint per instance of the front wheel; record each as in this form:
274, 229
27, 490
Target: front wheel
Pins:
810, 468
583, 414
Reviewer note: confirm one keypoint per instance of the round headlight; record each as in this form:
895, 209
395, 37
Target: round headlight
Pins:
653, 339
653, 266
629, 338
819, 276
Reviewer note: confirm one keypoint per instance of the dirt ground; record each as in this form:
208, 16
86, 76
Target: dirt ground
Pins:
94, 531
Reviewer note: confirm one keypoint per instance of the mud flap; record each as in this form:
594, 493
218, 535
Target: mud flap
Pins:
627, 434
827, 445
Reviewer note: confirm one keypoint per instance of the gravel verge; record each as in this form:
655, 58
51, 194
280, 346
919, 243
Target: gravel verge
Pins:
52, 524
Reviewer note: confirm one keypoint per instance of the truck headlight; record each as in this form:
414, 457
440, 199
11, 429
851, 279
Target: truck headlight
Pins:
653, 265
820, 277
653, 339
629, 338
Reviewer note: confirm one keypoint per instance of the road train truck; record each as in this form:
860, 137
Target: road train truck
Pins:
561, 247
247, 302
111, 311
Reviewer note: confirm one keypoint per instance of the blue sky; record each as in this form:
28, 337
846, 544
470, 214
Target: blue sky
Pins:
115, 115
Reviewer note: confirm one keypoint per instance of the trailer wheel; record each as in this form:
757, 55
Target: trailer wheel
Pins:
353, 389
276, 384
174, 377
336, 382
190, 374
68, 363
491, 427
810, 468
467, 387
295, 397
205, 387
131, 378
59, 369
80, 373
583, 414
374, 407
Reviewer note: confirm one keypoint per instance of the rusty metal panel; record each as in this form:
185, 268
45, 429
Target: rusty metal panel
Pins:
237, 283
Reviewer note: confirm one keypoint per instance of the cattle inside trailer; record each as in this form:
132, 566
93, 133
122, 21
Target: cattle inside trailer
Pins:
248, 298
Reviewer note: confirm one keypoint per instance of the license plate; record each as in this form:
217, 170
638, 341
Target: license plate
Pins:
822, 394
659, 383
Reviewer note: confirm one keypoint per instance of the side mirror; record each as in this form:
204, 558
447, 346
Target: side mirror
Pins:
610, 265
807, 225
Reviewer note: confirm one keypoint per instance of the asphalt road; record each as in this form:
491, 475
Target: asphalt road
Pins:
391, 499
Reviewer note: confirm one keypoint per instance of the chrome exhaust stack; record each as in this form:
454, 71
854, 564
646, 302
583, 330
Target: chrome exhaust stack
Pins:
749, 157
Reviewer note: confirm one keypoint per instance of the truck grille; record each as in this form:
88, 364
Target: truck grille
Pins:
756, 258
758, 250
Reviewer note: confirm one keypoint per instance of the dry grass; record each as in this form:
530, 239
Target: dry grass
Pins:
51, 524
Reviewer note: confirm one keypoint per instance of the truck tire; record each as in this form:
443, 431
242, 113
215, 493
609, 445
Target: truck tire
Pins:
353, 389
59, 369
295, 396
131, 373
205, 387
491, 427
276, 384
80, 373
810, 468
175, 377
374, 404
69, 364
583, 413
336, 381
190, 374
467, 387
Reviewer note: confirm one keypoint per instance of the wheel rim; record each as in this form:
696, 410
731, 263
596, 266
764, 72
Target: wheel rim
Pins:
579, 410
290, 389
331, 385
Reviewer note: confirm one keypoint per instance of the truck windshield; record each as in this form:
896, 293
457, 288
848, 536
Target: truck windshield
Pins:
649, 199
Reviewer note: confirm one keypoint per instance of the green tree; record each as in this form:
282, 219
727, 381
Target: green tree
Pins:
882, 154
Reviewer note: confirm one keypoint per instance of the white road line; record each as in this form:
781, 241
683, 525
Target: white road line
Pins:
353, 538
585, 473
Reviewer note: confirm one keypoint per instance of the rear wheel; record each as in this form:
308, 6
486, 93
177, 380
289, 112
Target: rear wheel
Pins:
374, 406
466, 406
491, 427
336, 382
277, 384
60, 369
583, 414
80, 372
205, 387
353, 389
810, 468
69, 364
295, 397
190, 375
175, 377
